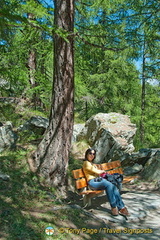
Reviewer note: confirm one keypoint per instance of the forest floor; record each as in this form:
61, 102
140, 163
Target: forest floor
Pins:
143, 201
31, 212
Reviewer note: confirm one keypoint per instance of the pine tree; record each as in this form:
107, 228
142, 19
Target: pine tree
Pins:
51, 158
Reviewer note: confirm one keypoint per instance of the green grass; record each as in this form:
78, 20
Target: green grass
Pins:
20, 197
26, 208
18, 114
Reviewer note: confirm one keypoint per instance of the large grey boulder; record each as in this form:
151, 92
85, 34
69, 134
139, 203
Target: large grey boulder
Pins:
111, 134
152, 168
36, 124
136, 168
77, 128
140, 157
8, 137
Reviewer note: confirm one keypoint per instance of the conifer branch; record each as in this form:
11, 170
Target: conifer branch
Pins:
100, 46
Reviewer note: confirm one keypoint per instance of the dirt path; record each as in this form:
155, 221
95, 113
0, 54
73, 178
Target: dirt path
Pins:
143, 202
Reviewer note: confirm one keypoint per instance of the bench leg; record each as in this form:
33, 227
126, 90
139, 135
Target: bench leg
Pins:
86, 200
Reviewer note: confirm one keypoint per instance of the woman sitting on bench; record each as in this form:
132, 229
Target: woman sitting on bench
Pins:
92, 173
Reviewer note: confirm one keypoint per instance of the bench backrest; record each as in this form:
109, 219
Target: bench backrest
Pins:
111, 167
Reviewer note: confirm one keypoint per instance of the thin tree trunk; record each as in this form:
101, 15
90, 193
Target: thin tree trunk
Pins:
32, 67
32, 70
31, 60
143, 95
50, 160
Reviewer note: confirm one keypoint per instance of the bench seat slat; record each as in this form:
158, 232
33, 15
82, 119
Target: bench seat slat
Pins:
129, 178
81, 183
110, 165
118, 170
91, 191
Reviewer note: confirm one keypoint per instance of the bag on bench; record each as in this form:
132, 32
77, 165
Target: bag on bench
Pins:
115, 178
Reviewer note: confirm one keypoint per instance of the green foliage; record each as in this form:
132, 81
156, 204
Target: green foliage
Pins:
152, 125
109, 36
111, 81
7, 113
73, 164
28, 35
18, 113
120, 96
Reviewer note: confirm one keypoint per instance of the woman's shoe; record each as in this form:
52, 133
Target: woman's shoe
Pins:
124, 212
114, 211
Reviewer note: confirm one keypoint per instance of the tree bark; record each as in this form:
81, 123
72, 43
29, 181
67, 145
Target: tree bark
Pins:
32, 67
31, 60
50, 160
143, 97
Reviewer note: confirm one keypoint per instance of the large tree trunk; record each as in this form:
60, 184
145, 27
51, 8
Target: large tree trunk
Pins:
50, 160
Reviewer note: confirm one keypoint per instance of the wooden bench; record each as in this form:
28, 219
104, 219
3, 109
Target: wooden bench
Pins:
82, 185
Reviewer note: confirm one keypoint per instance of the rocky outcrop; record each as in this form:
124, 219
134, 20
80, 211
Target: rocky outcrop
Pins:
112, 136
131, 170
8, 137
140, 157
142, 162
110, 133
36, 124
77, 128
152, 168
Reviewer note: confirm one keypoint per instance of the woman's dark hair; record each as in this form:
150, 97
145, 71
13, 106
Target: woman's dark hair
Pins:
88, 151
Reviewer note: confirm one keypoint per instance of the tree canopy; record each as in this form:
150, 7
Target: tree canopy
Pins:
110, 38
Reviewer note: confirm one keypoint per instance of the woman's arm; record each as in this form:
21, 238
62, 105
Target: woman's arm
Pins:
91, 168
